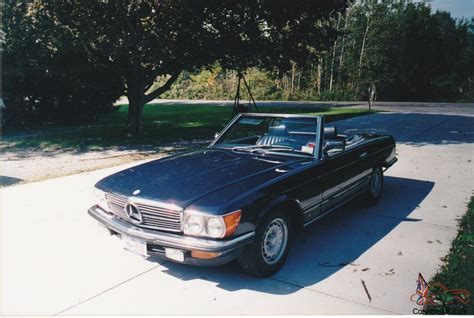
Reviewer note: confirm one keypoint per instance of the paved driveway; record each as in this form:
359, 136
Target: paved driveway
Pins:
401, 107
56, 260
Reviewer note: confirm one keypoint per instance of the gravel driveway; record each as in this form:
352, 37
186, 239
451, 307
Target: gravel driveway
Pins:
56, 260
30, 165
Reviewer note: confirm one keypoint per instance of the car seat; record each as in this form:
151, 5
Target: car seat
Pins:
330, 134
275, 134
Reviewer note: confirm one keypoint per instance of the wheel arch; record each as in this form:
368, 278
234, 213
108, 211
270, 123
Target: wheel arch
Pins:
291, 206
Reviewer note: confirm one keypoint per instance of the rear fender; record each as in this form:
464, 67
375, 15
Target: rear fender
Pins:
390, 160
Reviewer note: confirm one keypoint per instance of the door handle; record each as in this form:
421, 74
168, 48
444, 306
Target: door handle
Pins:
363, 155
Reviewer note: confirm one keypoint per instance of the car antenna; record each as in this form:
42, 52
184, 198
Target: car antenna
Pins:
238, 107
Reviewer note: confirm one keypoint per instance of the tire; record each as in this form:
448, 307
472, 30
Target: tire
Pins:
374, 187
261, 261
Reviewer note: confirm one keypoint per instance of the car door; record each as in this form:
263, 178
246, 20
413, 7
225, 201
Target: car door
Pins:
343, 178
310, 190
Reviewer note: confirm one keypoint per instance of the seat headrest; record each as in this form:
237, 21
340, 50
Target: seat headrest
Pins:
330, 132
278, 131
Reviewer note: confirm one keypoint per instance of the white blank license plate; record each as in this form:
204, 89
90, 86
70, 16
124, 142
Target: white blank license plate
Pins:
134, 245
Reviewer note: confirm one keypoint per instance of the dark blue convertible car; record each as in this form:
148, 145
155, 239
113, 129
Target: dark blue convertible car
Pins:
246, 195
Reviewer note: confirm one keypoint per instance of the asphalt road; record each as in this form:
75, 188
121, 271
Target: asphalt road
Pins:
400, 107
56, 260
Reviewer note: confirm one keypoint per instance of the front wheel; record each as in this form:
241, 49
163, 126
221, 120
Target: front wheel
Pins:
374, 187
268, 252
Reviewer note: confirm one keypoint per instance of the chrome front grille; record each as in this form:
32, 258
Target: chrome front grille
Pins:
154, 215
117, 204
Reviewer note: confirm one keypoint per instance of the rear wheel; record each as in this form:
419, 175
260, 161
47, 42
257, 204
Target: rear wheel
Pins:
268, 252
374, 187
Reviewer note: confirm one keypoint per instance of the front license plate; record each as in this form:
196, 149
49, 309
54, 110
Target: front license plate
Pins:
134, 245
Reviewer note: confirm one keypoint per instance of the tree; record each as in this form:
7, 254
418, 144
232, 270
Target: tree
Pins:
46, 77
139, 41
407, 53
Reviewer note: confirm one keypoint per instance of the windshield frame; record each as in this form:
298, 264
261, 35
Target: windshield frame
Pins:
317, 154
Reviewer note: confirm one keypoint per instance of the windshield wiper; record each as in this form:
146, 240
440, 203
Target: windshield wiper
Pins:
275, 148
258, 147
291, 150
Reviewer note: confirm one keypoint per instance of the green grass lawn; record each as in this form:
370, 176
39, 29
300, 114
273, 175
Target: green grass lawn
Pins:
162, 123
458, 269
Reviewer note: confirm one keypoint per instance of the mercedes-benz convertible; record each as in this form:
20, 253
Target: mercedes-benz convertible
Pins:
246, 195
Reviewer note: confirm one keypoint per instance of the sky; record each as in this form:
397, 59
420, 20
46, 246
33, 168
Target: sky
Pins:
457, 8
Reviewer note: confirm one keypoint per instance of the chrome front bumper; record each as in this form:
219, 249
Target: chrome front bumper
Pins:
165, 239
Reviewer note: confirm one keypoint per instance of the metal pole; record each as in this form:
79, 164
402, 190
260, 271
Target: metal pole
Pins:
237, 95
250, 94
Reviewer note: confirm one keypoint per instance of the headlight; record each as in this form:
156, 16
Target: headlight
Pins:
200, 224
100, 199
215, 227
193, 224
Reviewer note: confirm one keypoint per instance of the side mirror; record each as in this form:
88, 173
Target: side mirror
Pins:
216, 134
333, 145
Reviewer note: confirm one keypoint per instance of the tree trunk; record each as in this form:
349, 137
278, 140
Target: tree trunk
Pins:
135, 112
362, 50
319, 76
135, 95
324, 79
292, 78
341, 57
334, 55
298, 81
137, 98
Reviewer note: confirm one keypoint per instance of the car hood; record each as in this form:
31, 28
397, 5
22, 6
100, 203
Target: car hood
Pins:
184, 178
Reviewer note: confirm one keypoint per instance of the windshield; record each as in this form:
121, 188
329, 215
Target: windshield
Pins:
276, 134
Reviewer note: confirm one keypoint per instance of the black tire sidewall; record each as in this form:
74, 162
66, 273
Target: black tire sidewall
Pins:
251, 260
369, 196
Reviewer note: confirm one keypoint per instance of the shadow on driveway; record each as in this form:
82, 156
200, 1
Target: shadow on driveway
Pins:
6, 181
413, 129
326, 246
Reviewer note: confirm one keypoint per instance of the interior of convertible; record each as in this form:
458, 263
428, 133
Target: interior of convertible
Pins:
331, 135
297, 133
